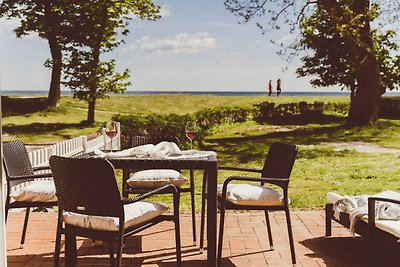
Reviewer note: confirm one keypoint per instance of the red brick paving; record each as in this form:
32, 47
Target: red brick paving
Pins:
245, 243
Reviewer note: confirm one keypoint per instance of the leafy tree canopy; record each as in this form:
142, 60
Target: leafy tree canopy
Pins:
328, 60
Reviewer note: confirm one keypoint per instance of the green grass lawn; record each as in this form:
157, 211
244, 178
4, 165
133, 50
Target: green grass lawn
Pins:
319, 168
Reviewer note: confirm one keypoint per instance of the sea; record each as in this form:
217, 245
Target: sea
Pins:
217, 93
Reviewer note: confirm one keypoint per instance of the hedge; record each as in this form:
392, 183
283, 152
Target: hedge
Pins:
265, 112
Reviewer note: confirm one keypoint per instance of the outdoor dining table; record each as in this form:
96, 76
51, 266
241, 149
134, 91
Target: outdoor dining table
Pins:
207, 163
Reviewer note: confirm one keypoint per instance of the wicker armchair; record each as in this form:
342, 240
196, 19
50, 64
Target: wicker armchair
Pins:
102, 214
276, 171
155, 178
27, 187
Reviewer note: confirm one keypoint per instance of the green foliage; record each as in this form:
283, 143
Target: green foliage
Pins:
174, 125
152, 125
331, 62
300, 112
208, 118
93, 30
389, 108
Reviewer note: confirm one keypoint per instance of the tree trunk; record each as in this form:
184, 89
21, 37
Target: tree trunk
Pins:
91, 109
55, 90
51, 23
365, 102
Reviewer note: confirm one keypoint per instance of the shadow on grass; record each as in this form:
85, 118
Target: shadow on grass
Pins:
12, 106
245, 149
253, 148
39, 127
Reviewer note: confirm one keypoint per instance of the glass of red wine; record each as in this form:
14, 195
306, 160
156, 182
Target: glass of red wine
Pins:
191, 131
111, 131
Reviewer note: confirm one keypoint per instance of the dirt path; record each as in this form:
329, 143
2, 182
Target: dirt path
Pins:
361, 147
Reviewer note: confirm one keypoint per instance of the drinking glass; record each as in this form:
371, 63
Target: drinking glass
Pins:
111, 131
191, 131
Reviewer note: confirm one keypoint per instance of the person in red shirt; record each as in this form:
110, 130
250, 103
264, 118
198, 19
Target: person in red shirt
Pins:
270, 88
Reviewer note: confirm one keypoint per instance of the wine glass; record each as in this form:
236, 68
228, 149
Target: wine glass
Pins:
111, 131
191, 131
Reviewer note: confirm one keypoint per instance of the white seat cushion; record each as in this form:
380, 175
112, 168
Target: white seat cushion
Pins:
246, 194
34, 191
156, 178
390, 226
135, 213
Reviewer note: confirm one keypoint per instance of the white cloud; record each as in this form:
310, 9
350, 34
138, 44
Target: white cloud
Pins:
164, 11
182, 43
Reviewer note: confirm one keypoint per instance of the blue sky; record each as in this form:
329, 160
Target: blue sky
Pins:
196, 46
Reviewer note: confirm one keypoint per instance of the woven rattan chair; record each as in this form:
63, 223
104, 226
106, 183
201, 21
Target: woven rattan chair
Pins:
276, 171
102, 214
143, 140
27, 187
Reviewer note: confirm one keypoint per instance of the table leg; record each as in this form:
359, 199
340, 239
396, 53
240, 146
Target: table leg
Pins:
212, 215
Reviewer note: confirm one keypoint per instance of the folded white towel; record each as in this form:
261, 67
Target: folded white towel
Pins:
357, 207
153, 151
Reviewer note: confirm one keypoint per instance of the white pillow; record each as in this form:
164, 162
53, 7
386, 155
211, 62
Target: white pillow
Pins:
246, 194
135, 213
156, 178
34, 191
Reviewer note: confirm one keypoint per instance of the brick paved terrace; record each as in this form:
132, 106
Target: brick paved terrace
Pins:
245, 243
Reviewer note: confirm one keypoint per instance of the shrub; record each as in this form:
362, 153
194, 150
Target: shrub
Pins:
389, 108
174, 125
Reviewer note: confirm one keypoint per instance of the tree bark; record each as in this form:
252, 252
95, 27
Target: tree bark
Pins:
55, 90
91, 108
56, 55
365, 102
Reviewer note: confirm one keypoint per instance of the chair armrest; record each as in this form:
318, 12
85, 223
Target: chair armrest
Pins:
283, 183
371, 207
35, 176
383, 199
169, 188
239, 169
41, 168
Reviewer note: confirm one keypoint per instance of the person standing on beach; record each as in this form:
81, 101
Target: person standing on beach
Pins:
270, 88
278, 87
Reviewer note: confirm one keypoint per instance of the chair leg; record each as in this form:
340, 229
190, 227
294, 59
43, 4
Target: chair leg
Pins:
119, 252
328, 219
221, 235
271, 243
177, 230
111, 250
203, 211
28, 209
58, 240
291, 242
192, 197
70, 250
